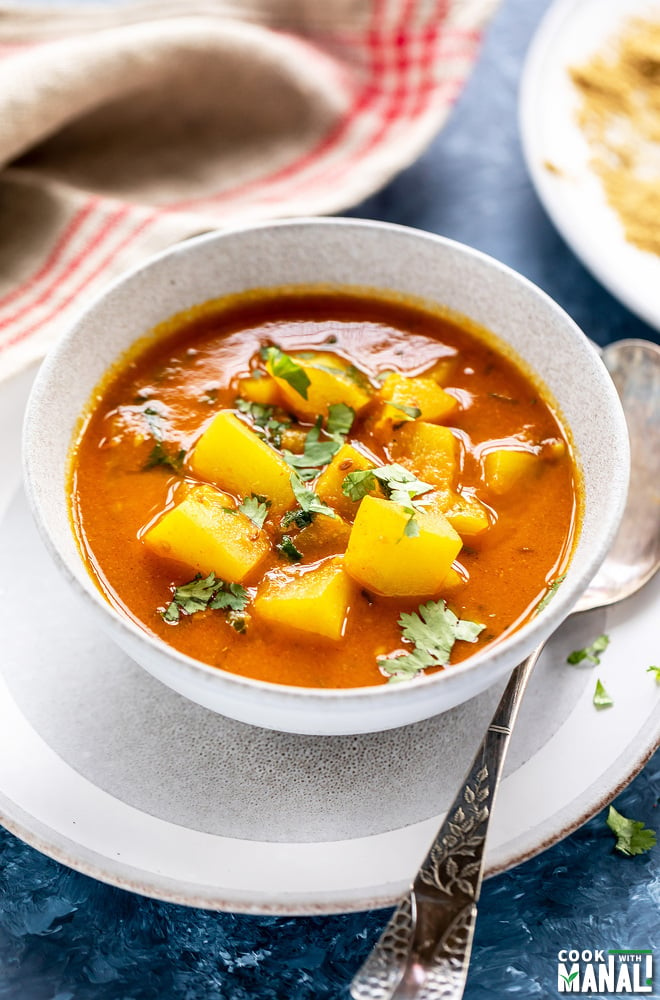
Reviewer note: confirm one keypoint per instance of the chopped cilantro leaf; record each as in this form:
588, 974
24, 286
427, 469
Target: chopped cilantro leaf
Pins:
288, 549
301, 518
231, 596
601, 698
400, 485
552, 590
591, 653
632, 837
410, 411
655, 671
357, 484
308, 499
205, 592
316, 453
270, 428
283, 366
433, 630
411, 529
159, 455
256, 508
340, 419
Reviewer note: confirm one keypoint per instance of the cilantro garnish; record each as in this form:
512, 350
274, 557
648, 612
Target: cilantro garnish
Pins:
263, 417
202, 593
433, 630
340, 420
591, 653
316, 453
159, 455
655, 671
410, 411
256, 508
283, 366
601, 698
288, 549
552, 590
400, 485
632, 837
357, 484
308, 499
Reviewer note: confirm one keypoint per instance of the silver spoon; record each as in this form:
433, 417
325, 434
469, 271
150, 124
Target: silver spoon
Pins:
424, 951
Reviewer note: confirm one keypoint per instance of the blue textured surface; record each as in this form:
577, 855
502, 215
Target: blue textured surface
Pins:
66, 937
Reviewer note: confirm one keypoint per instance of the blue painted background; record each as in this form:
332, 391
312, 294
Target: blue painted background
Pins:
66, 937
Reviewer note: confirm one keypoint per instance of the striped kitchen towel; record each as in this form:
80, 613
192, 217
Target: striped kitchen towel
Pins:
126, 127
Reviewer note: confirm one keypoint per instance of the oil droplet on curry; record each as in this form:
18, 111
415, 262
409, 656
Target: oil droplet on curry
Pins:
329, 490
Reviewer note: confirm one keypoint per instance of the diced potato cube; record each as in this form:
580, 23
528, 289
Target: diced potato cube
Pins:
330, 381
328, 486
428, 450
384, 559
206, 532
230, 455
313, 599
504, 467
325, 536
453, 580
259, 389
443, 369
293, 439
467, 515
400, 393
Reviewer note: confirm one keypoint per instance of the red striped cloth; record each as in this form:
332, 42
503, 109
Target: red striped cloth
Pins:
125, 128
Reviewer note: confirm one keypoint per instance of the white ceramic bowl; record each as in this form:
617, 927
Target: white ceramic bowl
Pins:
342, 252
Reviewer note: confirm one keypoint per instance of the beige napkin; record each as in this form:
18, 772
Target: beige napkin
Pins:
127, 126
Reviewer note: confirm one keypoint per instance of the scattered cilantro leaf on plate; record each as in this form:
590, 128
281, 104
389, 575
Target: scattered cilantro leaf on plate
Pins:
601, 698
632, 837
256, 508
433, 630
202, 593
283, 366
591, 653
655, 671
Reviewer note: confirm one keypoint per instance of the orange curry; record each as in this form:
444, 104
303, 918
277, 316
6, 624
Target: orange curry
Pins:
324, 489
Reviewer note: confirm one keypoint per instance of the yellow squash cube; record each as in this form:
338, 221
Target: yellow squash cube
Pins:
428, 450
505, 467
328, 486
443, 369
259, 389
400, 393
230, 455
206, 532
313, 599
382, 558
330, 381
325, 536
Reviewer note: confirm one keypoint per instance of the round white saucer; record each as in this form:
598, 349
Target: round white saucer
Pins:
558, 156
108, 771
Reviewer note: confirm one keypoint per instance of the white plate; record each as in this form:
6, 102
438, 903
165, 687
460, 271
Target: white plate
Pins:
108, 771
571, 31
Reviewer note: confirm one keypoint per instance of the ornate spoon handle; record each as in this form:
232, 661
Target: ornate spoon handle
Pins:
424, 951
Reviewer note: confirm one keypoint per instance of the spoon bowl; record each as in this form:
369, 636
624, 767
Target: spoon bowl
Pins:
424, 951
